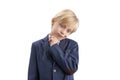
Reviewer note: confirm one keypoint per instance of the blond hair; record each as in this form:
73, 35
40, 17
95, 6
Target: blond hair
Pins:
68, 17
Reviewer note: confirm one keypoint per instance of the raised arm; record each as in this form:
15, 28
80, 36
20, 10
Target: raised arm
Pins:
67, 60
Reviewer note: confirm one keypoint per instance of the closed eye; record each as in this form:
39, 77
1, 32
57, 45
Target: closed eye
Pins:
63, 26
69, 31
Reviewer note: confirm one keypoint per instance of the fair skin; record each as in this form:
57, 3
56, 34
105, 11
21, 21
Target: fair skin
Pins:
59, 32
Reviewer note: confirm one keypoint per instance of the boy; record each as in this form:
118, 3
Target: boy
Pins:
55, 57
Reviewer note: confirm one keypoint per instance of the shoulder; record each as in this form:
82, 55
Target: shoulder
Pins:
71, 41
37, 42
40, 41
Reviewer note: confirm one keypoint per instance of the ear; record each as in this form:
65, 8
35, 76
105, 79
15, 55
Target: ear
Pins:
53, 21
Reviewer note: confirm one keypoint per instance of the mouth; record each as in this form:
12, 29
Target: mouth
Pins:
61, 36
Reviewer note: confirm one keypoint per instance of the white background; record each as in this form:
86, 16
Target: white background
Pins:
25, 21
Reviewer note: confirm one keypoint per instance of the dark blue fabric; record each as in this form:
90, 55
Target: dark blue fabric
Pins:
58, 62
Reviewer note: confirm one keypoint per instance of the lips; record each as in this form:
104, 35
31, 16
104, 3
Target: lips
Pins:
60, 36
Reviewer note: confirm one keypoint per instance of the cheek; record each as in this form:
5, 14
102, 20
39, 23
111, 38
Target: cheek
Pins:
58, 29
55, 30
67, 34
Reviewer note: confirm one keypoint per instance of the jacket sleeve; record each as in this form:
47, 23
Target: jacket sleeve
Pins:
33, 69
67, 60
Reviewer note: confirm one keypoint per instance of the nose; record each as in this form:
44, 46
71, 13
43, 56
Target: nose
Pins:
63, 32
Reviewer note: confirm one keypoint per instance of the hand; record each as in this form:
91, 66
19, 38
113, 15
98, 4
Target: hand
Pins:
53, 40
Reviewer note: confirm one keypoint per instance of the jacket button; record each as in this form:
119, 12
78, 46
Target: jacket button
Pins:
54, 70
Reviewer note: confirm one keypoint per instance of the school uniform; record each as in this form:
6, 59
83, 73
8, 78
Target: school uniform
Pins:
57, 62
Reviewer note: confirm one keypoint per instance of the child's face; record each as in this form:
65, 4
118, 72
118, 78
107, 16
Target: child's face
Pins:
61, 31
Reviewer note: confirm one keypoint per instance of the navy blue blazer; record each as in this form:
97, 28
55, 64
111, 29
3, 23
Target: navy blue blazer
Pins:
57, 62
